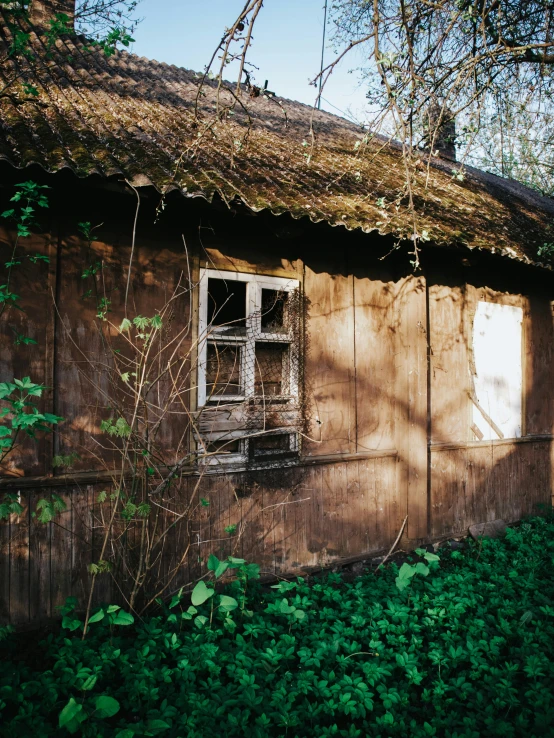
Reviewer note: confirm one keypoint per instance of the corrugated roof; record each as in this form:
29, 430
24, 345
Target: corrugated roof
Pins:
135, 118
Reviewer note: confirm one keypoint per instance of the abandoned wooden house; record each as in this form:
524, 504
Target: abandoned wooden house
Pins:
328, 387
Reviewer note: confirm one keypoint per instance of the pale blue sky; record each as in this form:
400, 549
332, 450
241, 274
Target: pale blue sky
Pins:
287, 45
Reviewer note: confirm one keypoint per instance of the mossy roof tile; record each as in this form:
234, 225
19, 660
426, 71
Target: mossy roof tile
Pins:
128, 116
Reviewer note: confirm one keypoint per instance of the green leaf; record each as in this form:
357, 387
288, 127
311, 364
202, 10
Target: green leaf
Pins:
141, 322
176, 599
228, 603
221, 569
97, 617
71, 623
404, 576
431, 557
125, 325
69, 712
213, 562
123, 618
200, 621
421, 569
201, 593
285, 608
252, 571
6, 388
407, 571
158, 725
106, 707
89, 683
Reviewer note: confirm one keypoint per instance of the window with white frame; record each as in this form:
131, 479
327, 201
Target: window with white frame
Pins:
497, 374
248, 366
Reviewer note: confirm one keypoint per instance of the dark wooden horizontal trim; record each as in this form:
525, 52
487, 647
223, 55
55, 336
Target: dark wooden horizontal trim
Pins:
98, 477
485, 444
337, 458
63, 480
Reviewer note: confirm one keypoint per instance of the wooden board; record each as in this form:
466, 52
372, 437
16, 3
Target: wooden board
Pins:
4, 571
449, 381
487, 481
411, 407
81, 552
19, 564
40, 561
376, 328
329, 362
61, 553
539, 365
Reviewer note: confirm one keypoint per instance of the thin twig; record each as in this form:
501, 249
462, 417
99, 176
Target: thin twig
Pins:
398, 537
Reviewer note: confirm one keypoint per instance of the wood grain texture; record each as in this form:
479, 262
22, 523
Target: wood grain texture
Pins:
539, 365
487, 482
411, 392
30, 281
4, 571
450, 404
289, 520
377, 323
40, 564
329, 364
20, 604
62, 541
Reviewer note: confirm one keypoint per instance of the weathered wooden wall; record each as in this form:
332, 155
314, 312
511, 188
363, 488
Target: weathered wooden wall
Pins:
386, 376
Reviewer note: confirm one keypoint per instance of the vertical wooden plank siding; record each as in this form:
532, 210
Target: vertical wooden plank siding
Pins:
19, 565
368, 380
79, 351
31, 282
81, 552
61, 552
4, 571
40, 560
376, 326
486, 482
450, 403
539, 365
329, 364
411, 427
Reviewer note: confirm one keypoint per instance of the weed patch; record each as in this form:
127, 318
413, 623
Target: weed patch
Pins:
462, 648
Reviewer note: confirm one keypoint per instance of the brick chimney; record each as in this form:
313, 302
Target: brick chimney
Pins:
41, 12
441, 131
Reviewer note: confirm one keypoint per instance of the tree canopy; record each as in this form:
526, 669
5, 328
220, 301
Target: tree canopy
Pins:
485, 64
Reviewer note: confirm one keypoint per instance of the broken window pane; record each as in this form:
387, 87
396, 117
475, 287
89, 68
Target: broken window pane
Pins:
270, 369
227, 304
274, 304
270, 445
223, 447
223, 370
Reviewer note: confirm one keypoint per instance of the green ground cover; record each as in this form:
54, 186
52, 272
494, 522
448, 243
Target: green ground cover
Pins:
466, 651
